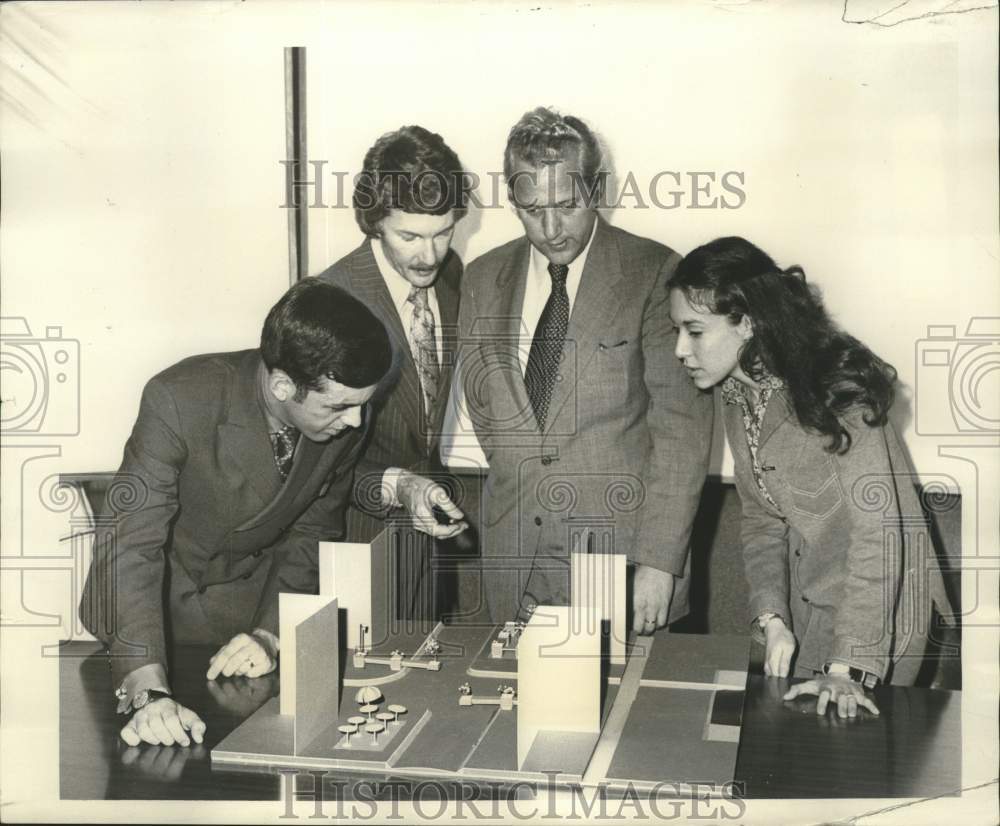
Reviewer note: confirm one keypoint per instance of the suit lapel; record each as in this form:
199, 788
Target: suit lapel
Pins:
243, 436
597, 301
511, 282
779, 409
446, 289
369, 286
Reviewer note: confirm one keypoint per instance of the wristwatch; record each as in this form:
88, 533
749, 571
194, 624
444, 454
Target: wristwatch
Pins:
766, 617
145, 697
857, 675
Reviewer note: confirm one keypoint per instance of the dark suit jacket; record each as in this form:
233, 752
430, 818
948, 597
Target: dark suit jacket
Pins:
847, 561
399, 429
203, 533
626, 444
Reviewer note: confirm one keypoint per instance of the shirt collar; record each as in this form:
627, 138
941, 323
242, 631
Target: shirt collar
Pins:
734, 391
399, 288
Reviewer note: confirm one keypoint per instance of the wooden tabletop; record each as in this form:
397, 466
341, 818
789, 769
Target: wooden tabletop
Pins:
786, 751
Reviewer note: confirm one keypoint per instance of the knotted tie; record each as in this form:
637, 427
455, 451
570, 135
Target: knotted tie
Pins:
546, 346
423, 345
283, 444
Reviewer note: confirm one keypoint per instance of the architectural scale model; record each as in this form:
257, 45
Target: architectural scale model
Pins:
565, 707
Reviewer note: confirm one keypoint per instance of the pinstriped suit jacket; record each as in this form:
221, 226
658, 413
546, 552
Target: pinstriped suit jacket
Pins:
400, 425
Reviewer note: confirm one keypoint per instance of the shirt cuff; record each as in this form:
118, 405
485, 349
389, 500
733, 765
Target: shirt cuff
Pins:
759, 624
144, 678
269, 638
390, 484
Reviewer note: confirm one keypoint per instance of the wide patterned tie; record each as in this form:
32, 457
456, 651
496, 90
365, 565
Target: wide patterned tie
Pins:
423, 345
547, 345
283, 444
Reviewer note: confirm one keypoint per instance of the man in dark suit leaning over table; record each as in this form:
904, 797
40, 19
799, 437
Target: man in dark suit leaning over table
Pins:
408, 197
595, 438
238, 464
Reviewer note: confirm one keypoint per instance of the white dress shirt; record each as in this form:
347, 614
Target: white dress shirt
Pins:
399, 289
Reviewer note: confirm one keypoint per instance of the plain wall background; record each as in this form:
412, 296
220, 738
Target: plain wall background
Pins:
142, 186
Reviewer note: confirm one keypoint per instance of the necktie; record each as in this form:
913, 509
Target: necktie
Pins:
547, 345
283, 443
423, 345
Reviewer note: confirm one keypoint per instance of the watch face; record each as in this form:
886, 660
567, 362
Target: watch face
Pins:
147, 696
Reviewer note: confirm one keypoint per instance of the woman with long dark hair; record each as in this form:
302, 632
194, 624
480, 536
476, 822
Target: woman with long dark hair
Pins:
837, 552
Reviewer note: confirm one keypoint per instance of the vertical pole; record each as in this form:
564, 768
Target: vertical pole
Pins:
295, 150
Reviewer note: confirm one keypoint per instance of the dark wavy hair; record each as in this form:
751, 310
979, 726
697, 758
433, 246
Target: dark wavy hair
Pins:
411, 169
826, 371
543, 136
318, 331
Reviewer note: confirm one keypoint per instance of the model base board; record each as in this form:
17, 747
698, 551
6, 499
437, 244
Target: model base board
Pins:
681, 725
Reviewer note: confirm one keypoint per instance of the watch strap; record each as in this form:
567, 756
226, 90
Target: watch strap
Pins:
857, 675
143, 698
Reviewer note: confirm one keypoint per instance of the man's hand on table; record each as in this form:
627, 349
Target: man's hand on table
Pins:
421, 497
248, 655
163, 722
652, 591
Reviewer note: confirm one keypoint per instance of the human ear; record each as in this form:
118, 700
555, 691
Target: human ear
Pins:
281, 385
745, 328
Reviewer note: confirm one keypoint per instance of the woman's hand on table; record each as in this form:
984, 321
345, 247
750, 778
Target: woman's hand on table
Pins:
779, 647
848, 695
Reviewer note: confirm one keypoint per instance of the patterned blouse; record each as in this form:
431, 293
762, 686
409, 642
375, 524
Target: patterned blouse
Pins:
734, 392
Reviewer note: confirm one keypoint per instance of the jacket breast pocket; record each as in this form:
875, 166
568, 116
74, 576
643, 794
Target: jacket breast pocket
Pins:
815, 490
615, 364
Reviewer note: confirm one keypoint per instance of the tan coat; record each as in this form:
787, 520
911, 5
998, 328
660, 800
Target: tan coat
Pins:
848, 560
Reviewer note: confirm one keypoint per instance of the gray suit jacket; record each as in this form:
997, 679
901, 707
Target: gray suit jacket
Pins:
199, 535
625, 450
848, 559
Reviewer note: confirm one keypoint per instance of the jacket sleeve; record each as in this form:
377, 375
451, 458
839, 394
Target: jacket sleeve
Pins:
122, 603
872, 568
295, 561
679, 419
764, 537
